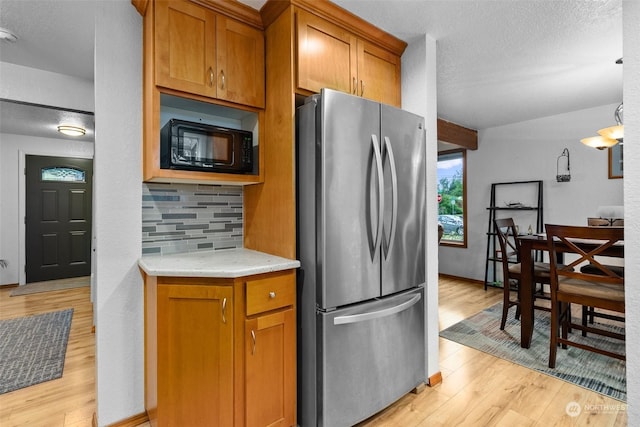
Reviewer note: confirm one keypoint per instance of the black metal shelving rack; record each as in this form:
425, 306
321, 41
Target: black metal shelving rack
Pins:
492, 237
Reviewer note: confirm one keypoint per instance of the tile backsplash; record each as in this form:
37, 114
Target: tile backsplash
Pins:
178, 218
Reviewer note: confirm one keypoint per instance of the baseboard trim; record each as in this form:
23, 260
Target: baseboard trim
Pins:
132, 421
435, 379
9, 285
465, 279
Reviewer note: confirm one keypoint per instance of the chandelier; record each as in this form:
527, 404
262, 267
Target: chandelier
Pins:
610, 136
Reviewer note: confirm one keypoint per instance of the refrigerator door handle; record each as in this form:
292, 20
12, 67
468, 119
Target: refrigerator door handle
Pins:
370, 315
378, 156
394, 196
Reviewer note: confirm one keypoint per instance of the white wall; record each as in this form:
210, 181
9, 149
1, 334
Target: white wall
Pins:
631, 48
38, 87
46, 88
419, 96
13, 149
529, 151
118, 217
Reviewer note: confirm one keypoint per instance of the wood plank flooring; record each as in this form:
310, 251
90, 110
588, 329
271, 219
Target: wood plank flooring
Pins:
477, 389
68, 401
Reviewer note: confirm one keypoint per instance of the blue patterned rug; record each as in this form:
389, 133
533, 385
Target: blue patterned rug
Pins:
590, 370
33, 348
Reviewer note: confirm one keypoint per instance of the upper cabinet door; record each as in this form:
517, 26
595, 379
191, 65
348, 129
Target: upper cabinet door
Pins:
378, 74
326, 55
185, 47
241, 72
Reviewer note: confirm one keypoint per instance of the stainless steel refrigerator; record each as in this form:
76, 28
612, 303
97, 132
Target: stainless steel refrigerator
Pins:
361, 243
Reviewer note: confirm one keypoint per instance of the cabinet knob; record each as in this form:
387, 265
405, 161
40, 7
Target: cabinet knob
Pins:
272, 295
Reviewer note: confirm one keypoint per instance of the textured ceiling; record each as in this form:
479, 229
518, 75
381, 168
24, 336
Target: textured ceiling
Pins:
498, 62
501, 62
56, 36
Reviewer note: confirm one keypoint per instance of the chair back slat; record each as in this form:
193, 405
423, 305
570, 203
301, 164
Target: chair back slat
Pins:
586, 243
509, 244
507, 236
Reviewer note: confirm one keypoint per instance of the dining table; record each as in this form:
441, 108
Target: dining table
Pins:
529, 244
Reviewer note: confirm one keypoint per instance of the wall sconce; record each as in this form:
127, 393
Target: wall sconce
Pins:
563, 173
71, 130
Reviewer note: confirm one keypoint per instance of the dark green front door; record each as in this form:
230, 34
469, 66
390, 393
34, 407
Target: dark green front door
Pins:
58, 217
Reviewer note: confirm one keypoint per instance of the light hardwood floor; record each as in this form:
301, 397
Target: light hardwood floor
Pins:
68, 401
477, 389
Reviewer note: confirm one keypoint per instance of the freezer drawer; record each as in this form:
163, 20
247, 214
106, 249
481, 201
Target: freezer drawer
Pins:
370, 355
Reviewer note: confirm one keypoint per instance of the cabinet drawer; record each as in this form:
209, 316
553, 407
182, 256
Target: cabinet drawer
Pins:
270, 293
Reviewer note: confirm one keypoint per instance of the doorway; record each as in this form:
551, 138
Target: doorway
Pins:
58, 208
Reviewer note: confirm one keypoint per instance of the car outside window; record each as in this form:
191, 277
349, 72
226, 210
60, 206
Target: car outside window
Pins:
451, 197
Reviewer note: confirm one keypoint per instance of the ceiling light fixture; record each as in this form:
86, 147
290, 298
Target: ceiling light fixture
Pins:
7, 35
608, 136
611, 135
71, 130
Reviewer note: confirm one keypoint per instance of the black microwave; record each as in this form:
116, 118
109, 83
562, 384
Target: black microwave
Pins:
201, 147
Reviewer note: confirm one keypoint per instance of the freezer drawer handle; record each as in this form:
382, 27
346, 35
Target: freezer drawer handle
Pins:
355, 318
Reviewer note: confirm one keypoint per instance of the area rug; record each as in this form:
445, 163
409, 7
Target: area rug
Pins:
33, 348
590, 370
51, 285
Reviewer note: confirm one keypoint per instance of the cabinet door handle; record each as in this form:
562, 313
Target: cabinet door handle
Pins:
272, 294
224, 310
223, 79
361, 87
355, 86
210, 77
253, 338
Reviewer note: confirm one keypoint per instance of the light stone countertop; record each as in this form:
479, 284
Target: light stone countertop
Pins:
225, 263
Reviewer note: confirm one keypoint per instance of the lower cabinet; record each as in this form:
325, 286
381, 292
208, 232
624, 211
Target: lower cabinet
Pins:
270, 379
221, 352
195, 355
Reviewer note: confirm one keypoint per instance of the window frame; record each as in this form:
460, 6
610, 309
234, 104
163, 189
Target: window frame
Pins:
449, 242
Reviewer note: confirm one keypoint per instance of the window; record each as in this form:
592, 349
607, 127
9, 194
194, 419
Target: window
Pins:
452, 200
62, 174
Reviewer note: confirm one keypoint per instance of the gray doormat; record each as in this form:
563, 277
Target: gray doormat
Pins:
33, 348
51, 285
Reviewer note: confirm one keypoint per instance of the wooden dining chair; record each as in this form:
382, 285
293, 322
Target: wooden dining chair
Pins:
572, 286
512, 269
590, 313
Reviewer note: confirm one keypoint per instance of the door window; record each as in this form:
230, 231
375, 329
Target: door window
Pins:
58, 174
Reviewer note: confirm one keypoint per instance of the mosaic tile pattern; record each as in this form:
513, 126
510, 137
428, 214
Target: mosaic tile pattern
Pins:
179, 218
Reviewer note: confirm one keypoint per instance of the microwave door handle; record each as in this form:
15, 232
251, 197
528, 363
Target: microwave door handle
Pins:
378, 160
394, 196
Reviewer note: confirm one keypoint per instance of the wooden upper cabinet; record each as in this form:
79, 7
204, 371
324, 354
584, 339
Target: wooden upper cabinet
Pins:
185, 40
333, 57
378, 74
326, 55
204, 53
241, 71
